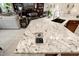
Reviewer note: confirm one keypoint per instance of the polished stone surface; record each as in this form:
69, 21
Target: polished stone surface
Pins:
56, 37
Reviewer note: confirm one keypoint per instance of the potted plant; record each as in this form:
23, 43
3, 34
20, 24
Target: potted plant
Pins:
7, 6
49, 14
49, 11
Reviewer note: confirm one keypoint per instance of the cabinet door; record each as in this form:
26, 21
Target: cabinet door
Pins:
40, 8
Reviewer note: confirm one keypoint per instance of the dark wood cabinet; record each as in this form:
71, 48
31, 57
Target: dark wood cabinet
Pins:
27, 9
23, 22
72, 25
40, 8
16, 5
63, 54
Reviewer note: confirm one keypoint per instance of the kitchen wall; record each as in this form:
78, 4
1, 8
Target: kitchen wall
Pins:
72, 8
64, 8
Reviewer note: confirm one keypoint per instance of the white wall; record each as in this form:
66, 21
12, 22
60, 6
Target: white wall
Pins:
63, 7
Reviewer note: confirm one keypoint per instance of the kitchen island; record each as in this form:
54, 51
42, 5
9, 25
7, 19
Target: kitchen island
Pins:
56, 38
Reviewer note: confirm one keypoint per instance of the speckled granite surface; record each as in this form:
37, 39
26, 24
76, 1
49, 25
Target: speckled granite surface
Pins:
56, 38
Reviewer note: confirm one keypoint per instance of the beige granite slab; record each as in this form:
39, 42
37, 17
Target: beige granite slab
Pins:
56, 38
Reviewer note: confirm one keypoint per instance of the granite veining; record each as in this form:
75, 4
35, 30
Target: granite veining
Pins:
56, 38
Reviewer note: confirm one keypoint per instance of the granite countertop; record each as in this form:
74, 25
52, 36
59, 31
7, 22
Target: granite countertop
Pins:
56, 38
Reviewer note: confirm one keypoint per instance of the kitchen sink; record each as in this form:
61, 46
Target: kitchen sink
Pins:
58, 20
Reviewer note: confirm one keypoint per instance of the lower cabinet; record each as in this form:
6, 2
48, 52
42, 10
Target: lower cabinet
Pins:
63, 54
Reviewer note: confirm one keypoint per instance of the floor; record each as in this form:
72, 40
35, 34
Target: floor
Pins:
9, 40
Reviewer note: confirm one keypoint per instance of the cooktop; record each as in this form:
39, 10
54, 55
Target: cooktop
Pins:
58, 20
